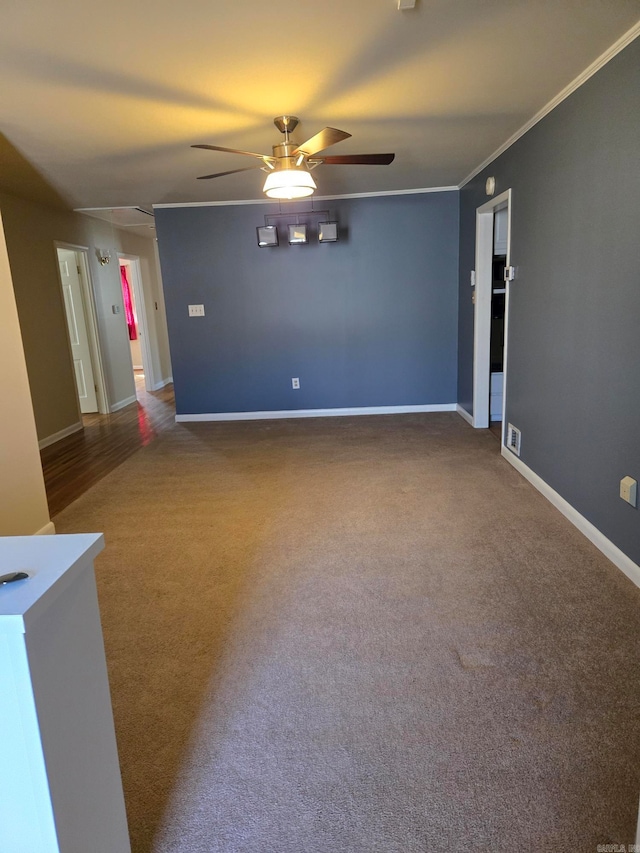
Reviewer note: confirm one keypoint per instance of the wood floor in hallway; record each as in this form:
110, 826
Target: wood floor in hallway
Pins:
74, 464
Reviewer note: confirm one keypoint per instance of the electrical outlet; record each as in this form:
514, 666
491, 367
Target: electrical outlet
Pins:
196, 310
295, 383
629, 490
513, 439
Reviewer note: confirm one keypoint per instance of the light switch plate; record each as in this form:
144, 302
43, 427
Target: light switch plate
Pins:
196, 310
629, 490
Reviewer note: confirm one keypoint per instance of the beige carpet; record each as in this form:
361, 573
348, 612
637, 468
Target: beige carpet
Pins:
360, 635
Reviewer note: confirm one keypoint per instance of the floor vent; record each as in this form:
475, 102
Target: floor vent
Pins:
513, 439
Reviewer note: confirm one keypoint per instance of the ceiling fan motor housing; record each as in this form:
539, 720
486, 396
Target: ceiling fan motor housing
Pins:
284, 154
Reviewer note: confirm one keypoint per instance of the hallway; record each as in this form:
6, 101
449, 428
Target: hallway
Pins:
76, 463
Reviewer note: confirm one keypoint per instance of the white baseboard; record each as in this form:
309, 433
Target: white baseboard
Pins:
611, 551
127, 402
162, 383
464, 414
58, 436
48, 530
315, 413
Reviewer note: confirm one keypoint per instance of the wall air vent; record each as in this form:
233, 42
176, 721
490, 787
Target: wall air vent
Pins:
513, 439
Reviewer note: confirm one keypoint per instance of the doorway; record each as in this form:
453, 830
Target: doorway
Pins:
136, 318
491, 310
82, 328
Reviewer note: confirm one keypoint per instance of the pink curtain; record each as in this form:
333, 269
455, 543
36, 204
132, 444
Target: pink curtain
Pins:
128, 305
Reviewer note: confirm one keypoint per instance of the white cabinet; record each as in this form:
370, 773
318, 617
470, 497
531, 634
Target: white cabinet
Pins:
60, 786
500, 232
495, 398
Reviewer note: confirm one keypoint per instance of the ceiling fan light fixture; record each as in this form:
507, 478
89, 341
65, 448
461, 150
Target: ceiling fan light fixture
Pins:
289, 183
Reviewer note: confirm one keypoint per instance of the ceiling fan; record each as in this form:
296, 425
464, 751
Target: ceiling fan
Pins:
289, 167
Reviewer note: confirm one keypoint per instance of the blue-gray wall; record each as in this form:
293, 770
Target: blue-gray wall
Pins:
573, 384
368, 321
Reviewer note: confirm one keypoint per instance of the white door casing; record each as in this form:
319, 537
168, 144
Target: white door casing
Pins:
482, 309
76, 324
135, 280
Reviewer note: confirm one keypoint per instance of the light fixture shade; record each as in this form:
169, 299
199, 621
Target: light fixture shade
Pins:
289, 183
267, 236
298, 235
327, 232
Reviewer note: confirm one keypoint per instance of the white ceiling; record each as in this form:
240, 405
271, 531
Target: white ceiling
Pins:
100, 102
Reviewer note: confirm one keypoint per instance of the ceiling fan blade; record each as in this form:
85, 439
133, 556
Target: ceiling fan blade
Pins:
234, 151
359, 159
231, 172
327, 136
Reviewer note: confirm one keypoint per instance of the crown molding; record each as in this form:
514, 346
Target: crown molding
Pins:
315, 198
582, 78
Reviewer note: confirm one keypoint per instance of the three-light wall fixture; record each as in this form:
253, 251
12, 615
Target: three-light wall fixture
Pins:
297, 232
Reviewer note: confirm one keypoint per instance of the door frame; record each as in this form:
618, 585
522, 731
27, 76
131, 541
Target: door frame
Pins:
142, 318
482, 310
91, 321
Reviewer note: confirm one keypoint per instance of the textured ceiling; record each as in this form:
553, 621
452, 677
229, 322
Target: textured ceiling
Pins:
99, 103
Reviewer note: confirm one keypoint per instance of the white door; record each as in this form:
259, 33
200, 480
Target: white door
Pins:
74, 309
